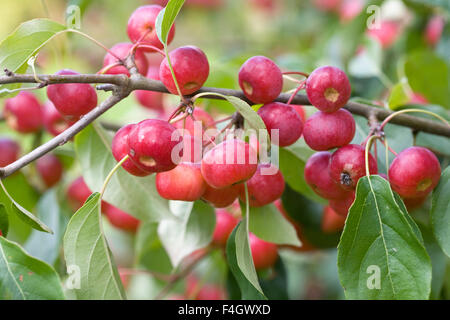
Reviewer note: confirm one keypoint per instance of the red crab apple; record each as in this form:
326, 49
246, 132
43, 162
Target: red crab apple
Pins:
141, 26
50, 169
122, 50
9, 151
331, 221
414, 172
225, 223
197, 290
417, 98
120, 219
192, 149
72, 99
325, 131
328, 88
23, 113
349, 9
347, 165
120, 149
414, 203
434, 29
150, 99
203, 117
191, 68
151, 143
266, 186
341, 206
260, 79
78, 192
264, 253
184, 182
54, 122
318, 177
283, 120
230, 162
301, 111
221, 198
386, 34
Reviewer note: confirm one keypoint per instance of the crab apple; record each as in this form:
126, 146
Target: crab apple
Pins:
331, 221
78, 192
283, 118
23, 113
230, 162
386, 34
205, 119
121, 50
151, 142
9, 151
325, 131
434, 29
72, 99
120, 149
184, 182
192, 149
221, 198
191, 68
266, 186
120, 219
317, 176
54, 122
197, 290
414, 203
341, 206
260, 79
327, 5
264, 253
141, 27
349, 9
50, 169
225, 223
347, 165
328, 88
417, 98
414, 172
150, 99
300, 110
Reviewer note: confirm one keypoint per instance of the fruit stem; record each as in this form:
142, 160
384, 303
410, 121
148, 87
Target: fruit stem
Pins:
109, 67
386, 121
218, 134
220, 121
291, 79
179, 118
110, 174
300, 87
368, 145
101, 45
147, 46
306, 75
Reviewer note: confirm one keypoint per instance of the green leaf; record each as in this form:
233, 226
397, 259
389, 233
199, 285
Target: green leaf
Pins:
86, 251
25, 42
429, 75
398, 96
4, 220
166, 18
45, 246
440, 212
23, 277
380, 255
241, 263
275, 285
250, 115
432, 4
134, 195
268, 223
190, 230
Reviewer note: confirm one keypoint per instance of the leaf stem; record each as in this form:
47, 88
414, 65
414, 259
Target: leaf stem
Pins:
368, 145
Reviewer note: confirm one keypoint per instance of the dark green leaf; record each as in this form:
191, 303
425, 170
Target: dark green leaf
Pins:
4, 221
440, 212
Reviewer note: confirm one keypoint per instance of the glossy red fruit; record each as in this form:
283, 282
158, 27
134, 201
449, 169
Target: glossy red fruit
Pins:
386, 34
9, 151
151, 142
230, 162
341, 206
203, 117
260, 79
325, 131
141, 26
120, 149
122, 50
185, 182
349, 9
266, 186
225, 223
191, 68
417, 98
221, 198
434, 29
150, 99
23, 113
414, 173
50, 169
317, 176
54, 122
120, 219
331, 221
264, 253
414, 203
347, 165
301, 111
196, 290
72, 99
328, 88
78, 192
192, 149
284, 120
